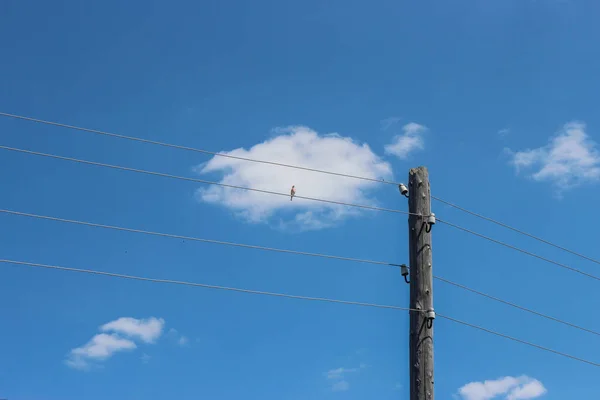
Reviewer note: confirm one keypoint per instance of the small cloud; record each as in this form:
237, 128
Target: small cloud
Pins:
183, 341
503, 132
179, 339
409, 141
398, 386
104, 345
145, 358
340, 386
568, 160
507, 388
148, 330
99, 348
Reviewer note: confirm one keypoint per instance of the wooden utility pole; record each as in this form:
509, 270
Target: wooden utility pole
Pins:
421, 285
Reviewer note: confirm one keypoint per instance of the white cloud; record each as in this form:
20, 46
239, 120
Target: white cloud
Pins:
147, 330
300, 146
410, 140
99, 348
530, 390
340, 386
103, 345
568, 160
503, 132
507, 388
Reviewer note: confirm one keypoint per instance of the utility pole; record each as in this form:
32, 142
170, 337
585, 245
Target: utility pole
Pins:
420, 222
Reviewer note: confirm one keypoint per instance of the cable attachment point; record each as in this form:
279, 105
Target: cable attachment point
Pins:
430, 316
430, 222
403, 190
404, 272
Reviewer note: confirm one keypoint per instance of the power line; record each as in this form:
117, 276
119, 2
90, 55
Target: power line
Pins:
520, 250
174, 146
328, 201
537, 346
197, 150
203, 285
516, 230
183, 178
508, 303
328, 256
284, 295
196, 239
291, 251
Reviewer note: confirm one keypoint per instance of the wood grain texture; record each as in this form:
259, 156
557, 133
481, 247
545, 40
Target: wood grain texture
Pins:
421, 286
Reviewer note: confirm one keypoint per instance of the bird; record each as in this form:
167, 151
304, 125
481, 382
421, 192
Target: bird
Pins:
292, 192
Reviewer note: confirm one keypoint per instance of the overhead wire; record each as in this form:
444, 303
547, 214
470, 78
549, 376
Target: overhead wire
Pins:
510, 246
175, 146
221, 154
508, 303
520, 250
197, 180
537, 346
306, 198
194, 239
300, 197
320, 255
203, 285
285, 295
154, 173
515, 230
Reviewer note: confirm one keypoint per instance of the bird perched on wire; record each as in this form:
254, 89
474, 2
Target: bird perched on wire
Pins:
292, 192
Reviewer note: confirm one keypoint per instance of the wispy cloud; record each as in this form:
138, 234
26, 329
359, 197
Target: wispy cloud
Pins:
145, 358
99, 348
178, 338
340, 386
507, 388
339, 373
503, 132
362, 351
183, 341
568, 160
339, 376
120, 337
409, 141
147, 330
387, 123
302, 146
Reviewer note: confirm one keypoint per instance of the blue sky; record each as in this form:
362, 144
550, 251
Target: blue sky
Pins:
497, 98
